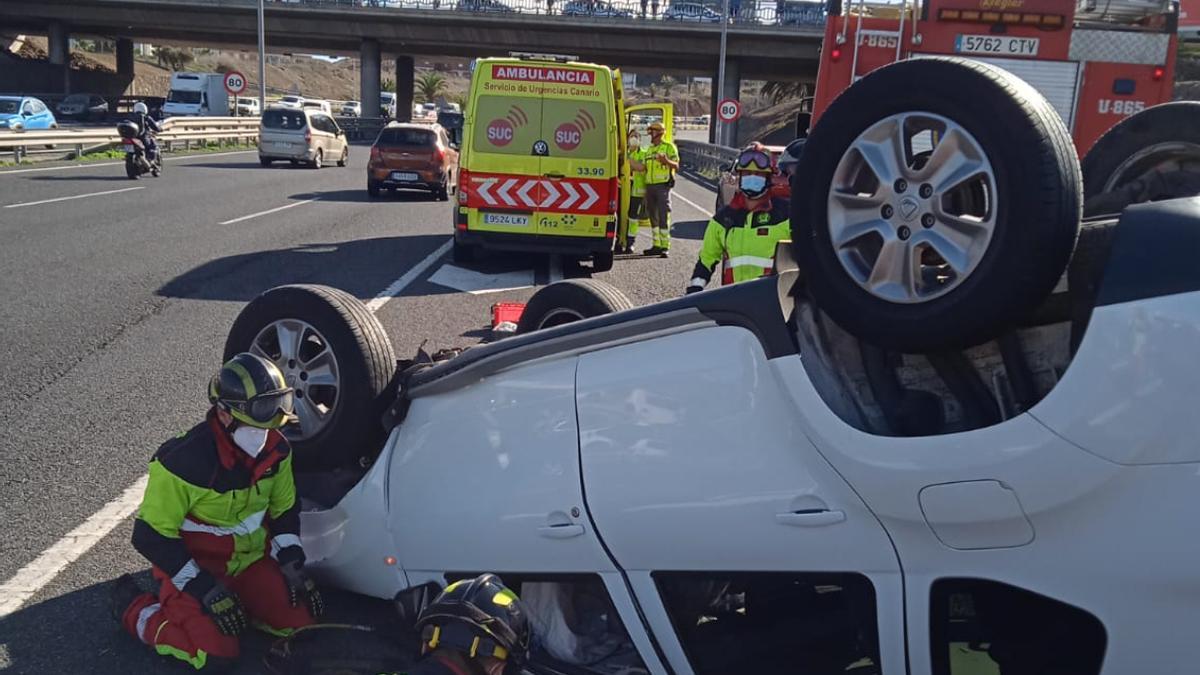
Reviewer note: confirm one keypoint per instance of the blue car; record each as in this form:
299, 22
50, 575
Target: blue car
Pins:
25, 112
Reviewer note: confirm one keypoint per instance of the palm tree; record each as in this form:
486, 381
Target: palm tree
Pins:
429, 86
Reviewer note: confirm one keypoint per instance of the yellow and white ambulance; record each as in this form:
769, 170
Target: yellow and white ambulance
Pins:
542, 164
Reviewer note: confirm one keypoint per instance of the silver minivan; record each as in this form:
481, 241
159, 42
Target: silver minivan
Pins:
301, 136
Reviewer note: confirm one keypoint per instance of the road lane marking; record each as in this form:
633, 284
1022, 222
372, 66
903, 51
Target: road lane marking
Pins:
34, 576
277, 209
66, 199
90, 165
691, 203
398, 286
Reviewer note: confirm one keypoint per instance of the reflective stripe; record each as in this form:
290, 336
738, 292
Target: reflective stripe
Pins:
143, 617
244, 528
698, 282
751, 260
282, 541
185, 574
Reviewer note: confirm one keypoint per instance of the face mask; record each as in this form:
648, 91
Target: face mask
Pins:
250, 439
753, 186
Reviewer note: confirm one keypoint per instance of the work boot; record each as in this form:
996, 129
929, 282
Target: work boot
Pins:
664, 253
124, 591
653, 250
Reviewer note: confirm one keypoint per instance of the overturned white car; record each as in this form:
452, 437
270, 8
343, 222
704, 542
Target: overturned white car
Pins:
960, 438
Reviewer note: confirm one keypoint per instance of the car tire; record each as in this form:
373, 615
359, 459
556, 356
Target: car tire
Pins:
363, 362
441, 193
464, 253
372, 189
1163, 137
602, 261
317, 160
345, 159
264, 162
569, 301
1015, 216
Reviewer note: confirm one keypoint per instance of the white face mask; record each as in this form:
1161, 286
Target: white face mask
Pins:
250, 439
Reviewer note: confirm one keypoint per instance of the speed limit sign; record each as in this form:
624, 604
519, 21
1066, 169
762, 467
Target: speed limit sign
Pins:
235, 82
728, 110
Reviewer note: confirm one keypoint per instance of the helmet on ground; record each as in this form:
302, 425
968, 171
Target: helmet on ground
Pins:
791, 156
478, 617
141, 108
253, 391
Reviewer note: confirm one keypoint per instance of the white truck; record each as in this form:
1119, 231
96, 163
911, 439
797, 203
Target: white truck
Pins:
197, 95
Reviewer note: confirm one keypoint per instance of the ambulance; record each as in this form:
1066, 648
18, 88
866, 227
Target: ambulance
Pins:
542, 165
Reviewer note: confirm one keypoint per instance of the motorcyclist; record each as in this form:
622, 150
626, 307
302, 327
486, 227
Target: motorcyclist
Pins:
146, 125
474, 627
743, 234
220, 522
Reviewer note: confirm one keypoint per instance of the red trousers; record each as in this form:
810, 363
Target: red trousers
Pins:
175, 624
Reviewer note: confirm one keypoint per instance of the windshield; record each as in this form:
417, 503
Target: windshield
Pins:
176, 96
283, 119
8, 107
409, 138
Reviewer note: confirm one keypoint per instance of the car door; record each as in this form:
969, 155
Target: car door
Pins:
746, 551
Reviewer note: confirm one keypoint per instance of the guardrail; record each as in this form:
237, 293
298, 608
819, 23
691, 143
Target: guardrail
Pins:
176, 130
705, 160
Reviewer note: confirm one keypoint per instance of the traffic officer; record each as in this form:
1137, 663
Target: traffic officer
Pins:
220, 523
661, 161
474, 627
742, 236
636, 217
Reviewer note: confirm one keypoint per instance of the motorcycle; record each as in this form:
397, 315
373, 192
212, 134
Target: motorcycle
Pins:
137, 162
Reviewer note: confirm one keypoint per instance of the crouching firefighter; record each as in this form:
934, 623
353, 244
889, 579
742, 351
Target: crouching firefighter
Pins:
220, 522
742, 236
474, 627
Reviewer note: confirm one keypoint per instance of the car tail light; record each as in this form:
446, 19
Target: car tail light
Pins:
308, 135
376, 155
438, 154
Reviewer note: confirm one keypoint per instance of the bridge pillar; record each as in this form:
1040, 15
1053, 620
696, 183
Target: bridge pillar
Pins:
125, 57
370, 67
733, 89
60, 43
405, 75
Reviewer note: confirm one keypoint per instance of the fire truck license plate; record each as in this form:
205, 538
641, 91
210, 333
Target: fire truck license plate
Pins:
996, 45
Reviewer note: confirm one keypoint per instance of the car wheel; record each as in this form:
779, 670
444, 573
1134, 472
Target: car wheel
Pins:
441, 193
264, 162
372, 189
345, 157
464, 253
921, 254
53, 127
1152, 155
602, 261
569, 301
336, 355
316, 160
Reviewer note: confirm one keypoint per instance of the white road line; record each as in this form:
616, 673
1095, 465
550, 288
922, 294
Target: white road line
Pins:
694, 205
67, 199
90, 165
400, 284
277, 209
34, 576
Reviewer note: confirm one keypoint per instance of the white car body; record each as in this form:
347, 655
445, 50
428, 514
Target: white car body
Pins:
290, 101
706, 436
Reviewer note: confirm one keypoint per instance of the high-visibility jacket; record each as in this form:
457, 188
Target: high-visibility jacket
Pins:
211, 508
657, 172
743, 241
637, 187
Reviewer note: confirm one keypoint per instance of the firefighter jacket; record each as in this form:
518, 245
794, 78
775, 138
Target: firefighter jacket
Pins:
743, 241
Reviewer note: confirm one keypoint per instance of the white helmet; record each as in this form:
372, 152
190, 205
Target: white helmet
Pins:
140, 108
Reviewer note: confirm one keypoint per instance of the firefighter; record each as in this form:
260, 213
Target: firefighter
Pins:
637, 217
742, 235
661, 161
220, 523
474, 627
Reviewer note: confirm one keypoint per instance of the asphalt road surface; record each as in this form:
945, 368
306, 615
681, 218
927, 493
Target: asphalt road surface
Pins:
115, 298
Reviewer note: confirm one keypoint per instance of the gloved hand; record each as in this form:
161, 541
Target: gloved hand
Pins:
225, 609
300, 585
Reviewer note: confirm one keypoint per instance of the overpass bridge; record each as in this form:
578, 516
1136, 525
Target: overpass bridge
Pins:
761, 44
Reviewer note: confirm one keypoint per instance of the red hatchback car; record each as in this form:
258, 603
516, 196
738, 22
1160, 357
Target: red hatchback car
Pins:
413, 156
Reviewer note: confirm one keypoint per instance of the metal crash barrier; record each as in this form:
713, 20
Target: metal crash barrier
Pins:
177, 132
704, 161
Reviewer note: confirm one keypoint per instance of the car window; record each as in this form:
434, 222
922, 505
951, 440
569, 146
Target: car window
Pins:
405, 138
283, 119
38, 107
176, 96
772, 622
317, 122
27, 108
8, 107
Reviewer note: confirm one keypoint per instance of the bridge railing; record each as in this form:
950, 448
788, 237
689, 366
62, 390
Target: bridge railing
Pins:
800, 14
177, 130
704, 161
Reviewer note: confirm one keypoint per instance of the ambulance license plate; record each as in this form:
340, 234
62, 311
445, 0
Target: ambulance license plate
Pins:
996, 45
406, 176
512, 219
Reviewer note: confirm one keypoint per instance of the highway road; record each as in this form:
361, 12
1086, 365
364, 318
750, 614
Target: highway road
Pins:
115, 298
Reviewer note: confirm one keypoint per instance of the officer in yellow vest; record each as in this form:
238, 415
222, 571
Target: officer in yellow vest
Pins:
637, 217
661, 162
742, 236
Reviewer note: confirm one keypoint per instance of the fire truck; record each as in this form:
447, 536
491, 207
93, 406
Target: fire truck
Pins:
1100, 63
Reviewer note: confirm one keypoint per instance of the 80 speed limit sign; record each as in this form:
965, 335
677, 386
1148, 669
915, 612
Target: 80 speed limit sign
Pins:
728, 110
235, 82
